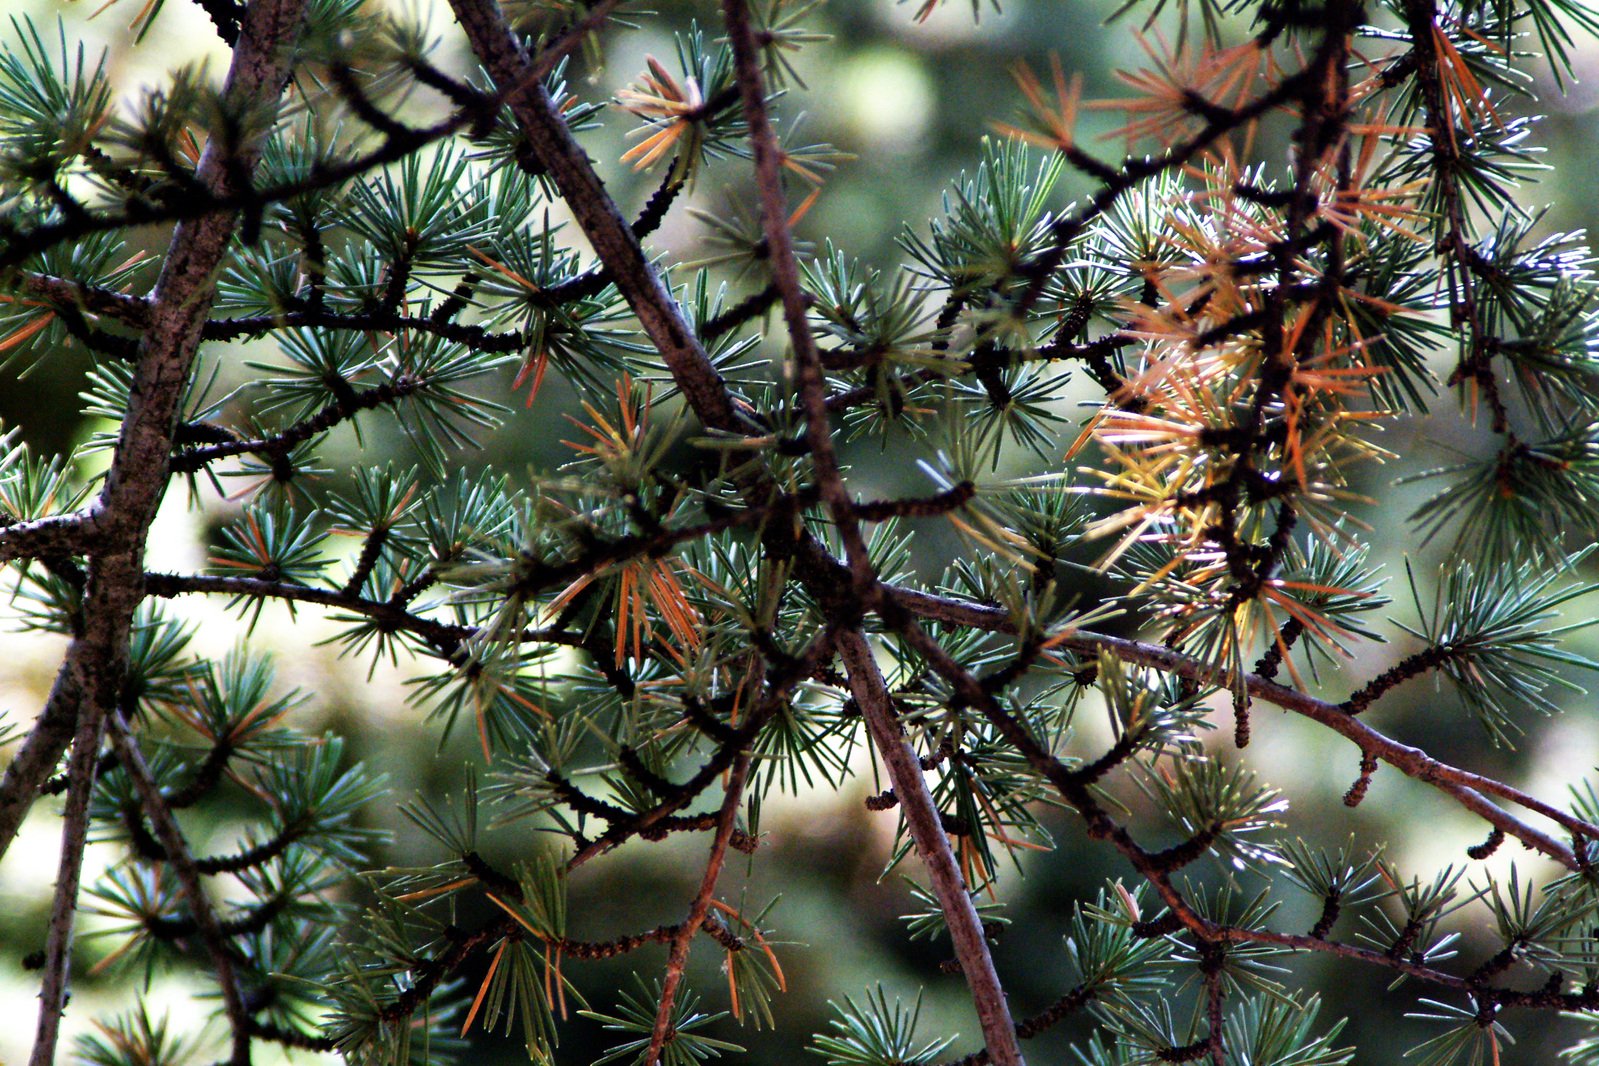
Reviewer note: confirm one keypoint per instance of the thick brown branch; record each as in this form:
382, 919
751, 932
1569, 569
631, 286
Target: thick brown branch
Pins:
130, 311
785, 275
67, 534
612, 237
927, 832
69, 868
96, 660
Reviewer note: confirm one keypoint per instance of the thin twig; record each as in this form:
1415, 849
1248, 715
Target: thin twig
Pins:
74, 836
200, 202
1476, 363
1464, 786
677, 956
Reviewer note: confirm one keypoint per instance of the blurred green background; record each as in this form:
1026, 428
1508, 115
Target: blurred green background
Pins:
912, 102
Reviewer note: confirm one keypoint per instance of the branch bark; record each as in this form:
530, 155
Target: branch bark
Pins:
921, 816
69, 868
677, 958
92, 672
611, 235
131, 311
189, 880
785, 275
89, 683
64, 534
1465, 787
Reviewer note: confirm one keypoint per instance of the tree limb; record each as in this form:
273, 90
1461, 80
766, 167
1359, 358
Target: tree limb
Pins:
189, 879
677, 957
927, 832
611, 235
96, 661
785, 275
74, 837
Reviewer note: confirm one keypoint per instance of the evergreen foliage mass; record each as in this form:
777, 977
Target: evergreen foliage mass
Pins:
1308, 207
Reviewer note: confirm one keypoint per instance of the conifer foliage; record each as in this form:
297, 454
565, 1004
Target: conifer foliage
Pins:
701, 608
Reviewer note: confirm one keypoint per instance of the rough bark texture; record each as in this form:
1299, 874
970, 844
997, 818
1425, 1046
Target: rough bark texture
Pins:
607, 230
114, 531
119, 520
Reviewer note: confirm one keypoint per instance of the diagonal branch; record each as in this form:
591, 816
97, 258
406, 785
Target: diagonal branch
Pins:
927, 832
677, 957
785, 275
199, 202
497, 48
189, 879
1156, 869
1465, 787
866, 682
96, 661
74, 836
